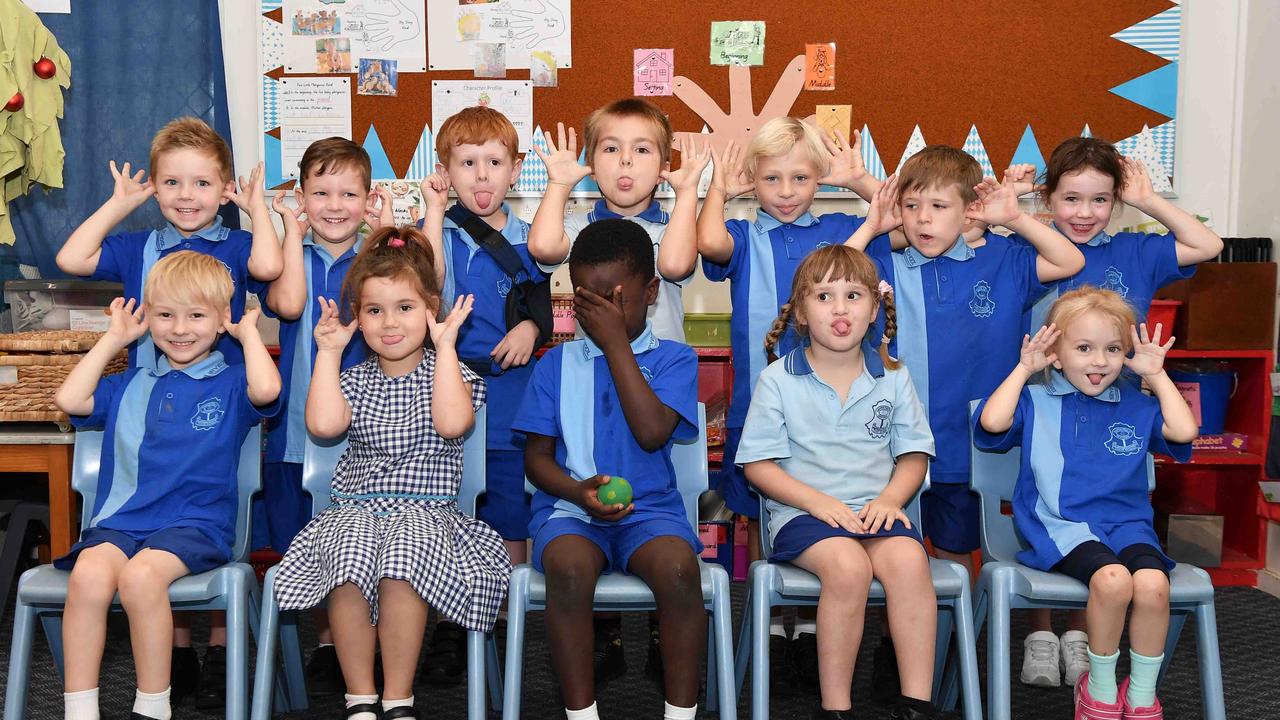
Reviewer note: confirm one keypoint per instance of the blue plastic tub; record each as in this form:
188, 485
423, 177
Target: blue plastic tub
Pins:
1216, 384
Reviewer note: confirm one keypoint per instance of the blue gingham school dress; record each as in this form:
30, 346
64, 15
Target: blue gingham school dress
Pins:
395, 511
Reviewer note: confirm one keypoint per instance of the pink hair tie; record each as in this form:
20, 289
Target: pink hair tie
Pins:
395, 242
885, 288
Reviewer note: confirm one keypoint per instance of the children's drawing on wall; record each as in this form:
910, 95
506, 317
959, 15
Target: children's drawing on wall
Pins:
333, 55
654, 68
542, 69
406, 200
737, 42
391, 29
470, 21
537, 24
524, 26
820, 66
491, 60
378, 77
317, 22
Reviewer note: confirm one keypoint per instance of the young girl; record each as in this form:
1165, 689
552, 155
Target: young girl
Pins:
394, 539
1081, 498
838, 441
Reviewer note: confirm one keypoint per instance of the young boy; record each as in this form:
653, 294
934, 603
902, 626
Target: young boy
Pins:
628, 143
611, 404
477, 149
191, 177
167, 489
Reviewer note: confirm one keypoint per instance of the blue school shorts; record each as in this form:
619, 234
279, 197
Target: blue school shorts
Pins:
190, 546
617, 542
802, 532
951, 514
505, 506
732, 482
1090, 556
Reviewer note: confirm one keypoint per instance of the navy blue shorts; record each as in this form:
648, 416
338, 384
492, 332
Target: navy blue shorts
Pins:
190, 546
505, 506
1090, 556
803, 532
951, 516
732, 482
617, 542
282, 509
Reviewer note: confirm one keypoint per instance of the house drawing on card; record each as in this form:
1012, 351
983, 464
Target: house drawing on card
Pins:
653, 68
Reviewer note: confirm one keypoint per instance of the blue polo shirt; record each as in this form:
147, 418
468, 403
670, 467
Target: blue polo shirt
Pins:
469, 269
287, 431
173, 448
1134, 265
765, 256
844, 449
960, 326
1084, 466
572, 398
128, 258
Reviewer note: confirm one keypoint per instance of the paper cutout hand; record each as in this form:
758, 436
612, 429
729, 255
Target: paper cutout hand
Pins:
541, 22
387, 30
741, 120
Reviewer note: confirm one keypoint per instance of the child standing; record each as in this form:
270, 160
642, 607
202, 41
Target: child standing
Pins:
612, 404
167, 488
393, 540
1081, 499
838, 441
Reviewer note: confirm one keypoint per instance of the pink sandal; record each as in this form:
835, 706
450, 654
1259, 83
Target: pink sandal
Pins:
1088, 708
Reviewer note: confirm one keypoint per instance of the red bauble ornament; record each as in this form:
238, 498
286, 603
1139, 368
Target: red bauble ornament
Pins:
15, 103
44, 68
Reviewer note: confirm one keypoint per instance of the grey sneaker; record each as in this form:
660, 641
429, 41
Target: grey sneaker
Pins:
1075, 655
1040, 660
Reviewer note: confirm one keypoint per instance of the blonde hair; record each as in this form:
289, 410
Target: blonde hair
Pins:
629, 107
938, 166
190, 277
1071, 306
193, 134
839, 262
778, 136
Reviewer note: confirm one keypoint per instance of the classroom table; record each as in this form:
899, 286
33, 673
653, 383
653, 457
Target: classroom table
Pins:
43, 448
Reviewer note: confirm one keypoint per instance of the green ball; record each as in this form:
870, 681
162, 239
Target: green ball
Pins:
615, 492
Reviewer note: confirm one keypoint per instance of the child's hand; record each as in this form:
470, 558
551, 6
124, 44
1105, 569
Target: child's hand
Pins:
589, 499
1137, 190
836, 514
294, 222
602, 319
435, 193
1022, 177
846, 160
692, 162
127, 323
252, 193
1037, 351
444, 333
246, 328
130, 191
882, 513
883, 212
1148, 353
330, 333
562, 164
997, 203
517, 346
728, 176
378, 212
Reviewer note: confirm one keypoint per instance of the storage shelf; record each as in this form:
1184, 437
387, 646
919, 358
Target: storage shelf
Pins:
1176, 353
1216, 457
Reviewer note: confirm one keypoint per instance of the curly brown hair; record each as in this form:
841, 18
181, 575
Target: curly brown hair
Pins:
395, 253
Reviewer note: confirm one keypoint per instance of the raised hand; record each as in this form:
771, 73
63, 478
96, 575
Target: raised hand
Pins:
1022, 176
128, 321
130, 190
561, 158
1037, 351
251, 194
435, 192
883, 212
997, 203
444, 333
741, 121
589, 499
247, 327
602, 319
693, 160
1148, 352
1137, 190
378, 212
294, 222
728, 175
881, 513
847, 167
330, 333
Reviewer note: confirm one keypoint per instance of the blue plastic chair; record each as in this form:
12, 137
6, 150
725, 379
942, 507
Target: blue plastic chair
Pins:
1004, 584
319, 461
621, 592
773, 585
42, 591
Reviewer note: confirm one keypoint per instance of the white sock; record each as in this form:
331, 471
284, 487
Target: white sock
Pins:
586, 713
806, 626
82, 705
675, 712
388, 704
353, 700
777, 628
153, 705
324, 644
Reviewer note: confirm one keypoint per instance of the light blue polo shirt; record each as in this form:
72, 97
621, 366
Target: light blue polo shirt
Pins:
128, 258
173, 448
960, 326
667, 314
573, 398
1134, 265
846, 450
287, 431
1084, 466
765, 256
468, 269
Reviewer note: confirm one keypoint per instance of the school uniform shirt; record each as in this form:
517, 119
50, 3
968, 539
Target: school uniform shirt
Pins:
128, 257
573, 399
1084, 466
844, 449
287, 431
765, 256
667, 314
1134, 265
960, 326
172, 448
469, 269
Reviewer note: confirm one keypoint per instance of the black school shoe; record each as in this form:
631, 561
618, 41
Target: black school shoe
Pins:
404, 711
324, 674
373, 707
445, 660
886, 686
607, 658
820, 714
211, 692
804, 660
908, 708
184, 674
140, 716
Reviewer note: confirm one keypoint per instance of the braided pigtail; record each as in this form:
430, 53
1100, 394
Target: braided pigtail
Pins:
890, 325
780, 325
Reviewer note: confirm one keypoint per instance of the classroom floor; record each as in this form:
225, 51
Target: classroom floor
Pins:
1246, 622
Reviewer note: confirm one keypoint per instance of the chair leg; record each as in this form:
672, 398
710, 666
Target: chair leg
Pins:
713, 701
475, 675
722, 621
941, 649
743, 654
20, 518
1210, 662
493, 671
52, 624
294, 668
1177, 619
760, 576
24, 620
998, 638
267, 692
967, 652
517, 599
237, 644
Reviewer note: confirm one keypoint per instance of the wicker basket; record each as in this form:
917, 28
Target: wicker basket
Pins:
30, 398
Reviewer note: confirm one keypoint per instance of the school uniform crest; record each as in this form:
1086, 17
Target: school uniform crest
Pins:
647, 373
1114, 281
878, 425
504, 286
819, 246
208, 414
1124, 440
982, 305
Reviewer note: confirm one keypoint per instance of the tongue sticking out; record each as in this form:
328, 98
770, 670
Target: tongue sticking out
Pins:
1095, 378
841, 328
483, 199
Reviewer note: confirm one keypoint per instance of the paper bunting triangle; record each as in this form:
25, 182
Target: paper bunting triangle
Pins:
1028, 151
424, 156
914, 145
870, 157
381, 166
1158, 34
1157, 90
973, 145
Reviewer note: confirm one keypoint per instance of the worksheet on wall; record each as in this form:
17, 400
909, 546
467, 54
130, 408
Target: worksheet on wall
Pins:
321, 37
513, 98
311, 109
524, 26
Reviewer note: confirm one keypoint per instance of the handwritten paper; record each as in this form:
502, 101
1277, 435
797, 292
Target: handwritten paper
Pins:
311, 109
820, 66
835, 117
653, 70
513, 98
737, 42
